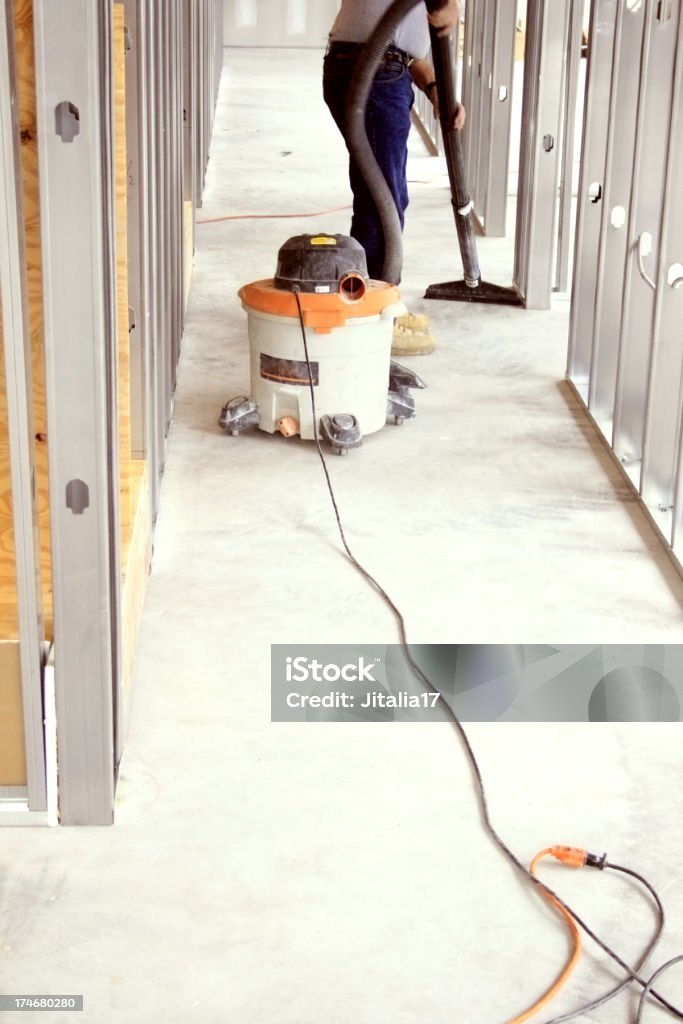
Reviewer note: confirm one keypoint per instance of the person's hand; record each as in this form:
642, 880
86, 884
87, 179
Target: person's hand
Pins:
460, 115
446, 19
423, 75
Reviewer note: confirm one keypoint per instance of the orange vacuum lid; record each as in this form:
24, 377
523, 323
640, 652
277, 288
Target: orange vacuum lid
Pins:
322, 311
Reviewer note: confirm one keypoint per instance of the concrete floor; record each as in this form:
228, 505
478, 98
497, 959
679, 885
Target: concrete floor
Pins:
336, 873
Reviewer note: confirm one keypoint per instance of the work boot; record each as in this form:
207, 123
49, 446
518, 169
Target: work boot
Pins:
411, 336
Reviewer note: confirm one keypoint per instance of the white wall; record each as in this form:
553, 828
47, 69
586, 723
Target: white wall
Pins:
278, 22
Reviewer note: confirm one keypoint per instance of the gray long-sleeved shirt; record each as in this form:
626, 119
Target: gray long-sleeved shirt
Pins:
357, 19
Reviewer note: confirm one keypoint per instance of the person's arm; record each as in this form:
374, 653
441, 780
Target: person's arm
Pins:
446, 19
423, 76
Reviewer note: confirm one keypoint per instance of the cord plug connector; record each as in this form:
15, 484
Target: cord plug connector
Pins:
593, 861
572, 856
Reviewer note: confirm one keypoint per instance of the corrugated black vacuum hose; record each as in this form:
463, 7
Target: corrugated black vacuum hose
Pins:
361, 151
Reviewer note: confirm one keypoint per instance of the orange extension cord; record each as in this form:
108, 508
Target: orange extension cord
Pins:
271, 216
575, 858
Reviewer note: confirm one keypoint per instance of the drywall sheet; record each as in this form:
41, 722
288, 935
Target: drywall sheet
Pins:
278, 22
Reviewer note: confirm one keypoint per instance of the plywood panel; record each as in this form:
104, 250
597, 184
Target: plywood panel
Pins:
26, 102
12, 751
135, 560
136, 530
9, 617
121, 206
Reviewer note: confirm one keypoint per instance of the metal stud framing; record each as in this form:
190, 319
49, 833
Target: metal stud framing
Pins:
137, 128
200, 110
17, 352
189, 158
73, 75
488, 68
570, 89
663, 453
155, 410
543, 116
172, 77
591, 191
626, 355
173, 64
543, 230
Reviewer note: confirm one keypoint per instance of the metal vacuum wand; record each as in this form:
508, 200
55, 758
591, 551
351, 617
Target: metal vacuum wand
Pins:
452, 141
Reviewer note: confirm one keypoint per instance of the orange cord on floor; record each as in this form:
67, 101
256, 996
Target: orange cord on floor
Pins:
287, 216
272, 216
572, 857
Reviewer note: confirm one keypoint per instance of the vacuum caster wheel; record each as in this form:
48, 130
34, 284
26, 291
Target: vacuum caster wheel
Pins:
238, 414
341, 432
399, 420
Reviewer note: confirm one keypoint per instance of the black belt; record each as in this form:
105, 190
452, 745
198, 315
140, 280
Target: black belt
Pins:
340, 46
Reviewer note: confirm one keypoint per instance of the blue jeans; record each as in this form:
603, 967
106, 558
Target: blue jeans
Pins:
388, 125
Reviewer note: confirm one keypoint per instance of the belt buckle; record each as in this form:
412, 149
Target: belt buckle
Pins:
393, 53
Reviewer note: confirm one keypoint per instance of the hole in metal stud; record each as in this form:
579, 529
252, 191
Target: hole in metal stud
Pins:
67, 121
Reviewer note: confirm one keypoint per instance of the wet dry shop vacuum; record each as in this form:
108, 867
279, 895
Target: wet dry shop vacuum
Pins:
340, 373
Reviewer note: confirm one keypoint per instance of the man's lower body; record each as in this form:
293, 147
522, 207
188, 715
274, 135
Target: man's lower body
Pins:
388, 126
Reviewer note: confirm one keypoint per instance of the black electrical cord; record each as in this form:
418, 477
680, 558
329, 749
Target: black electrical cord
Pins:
648, 990
644, 957
454, 720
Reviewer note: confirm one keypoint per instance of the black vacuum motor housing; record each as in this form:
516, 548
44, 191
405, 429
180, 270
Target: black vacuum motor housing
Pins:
321, 264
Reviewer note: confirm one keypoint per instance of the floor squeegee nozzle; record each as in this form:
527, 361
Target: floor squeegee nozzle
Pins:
462, 291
